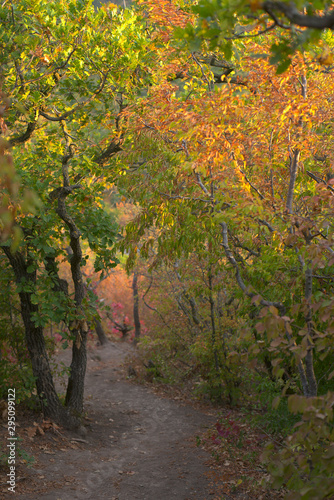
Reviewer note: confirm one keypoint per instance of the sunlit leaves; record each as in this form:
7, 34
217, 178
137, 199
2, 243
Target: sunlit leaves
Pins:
219, 24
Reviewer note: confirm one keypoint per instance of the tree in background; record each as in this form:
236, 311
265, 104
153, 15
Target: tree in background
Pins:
237, 170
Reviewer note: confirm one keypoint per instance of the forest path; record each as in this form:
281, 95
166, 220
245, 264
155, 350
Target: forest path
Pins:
138, 445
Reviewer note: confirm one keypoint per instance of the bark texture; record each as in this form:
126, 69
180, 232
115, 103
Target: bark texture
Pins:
79, 328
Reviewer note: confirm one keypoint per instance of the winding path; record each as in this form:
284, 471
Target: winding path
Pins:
138, 445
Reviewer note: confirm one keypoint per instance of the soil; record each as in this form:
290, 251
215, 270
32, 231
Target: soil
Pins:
135, 444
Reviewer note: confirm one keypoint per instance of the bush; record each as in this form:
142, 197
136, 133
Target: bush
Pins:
305, 464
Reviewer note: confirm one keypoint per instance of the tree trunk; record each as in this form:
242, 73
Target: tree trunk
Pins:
76, 381
75, 389
79, 328
103, 339
294, 162
136, 307
35, 341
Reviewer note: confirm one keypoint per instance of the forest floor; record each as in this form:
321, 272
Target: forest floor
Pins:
138, 442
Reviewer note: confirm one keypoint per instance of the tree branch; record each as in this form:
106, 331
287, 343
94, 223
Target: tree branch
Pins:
113, 148
291, 12
231, 259
20, 139
198, 177
78, 106
251, 185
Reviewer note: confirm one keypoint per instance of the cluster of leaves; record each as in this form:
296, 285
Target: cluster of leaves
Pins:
263, 410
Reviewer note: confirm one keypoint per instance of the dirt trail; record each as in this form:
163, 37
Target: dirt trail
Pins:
138, 445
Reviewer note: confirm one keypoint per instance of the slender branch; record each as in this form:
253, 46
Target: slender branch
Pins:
252, 185
212, 319
303, 83
202, 71
19, 75
300, 258
78, 106
276, 20
113, 148
249, 250
258, 33
319, 180
265, 223
191, 300
62, 66
232, 260
182, 198
198, 177
309, 368
272, 183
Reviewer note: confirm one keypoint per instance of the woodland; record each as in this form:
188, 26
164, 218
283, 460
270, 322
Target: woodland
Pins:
167, 181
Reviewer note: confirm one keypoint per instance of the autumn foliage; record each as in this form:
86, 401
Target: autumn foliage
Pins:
234, 172
212, 150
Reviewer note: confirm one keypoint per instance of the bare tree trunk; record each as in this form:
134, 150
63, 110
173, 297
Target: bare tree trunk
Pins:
103, 339
76, 382
136, 307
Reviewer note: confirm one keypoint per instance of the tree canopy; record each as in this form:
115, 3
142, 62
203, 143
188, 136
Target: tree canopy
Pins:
214, 120
297, 26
